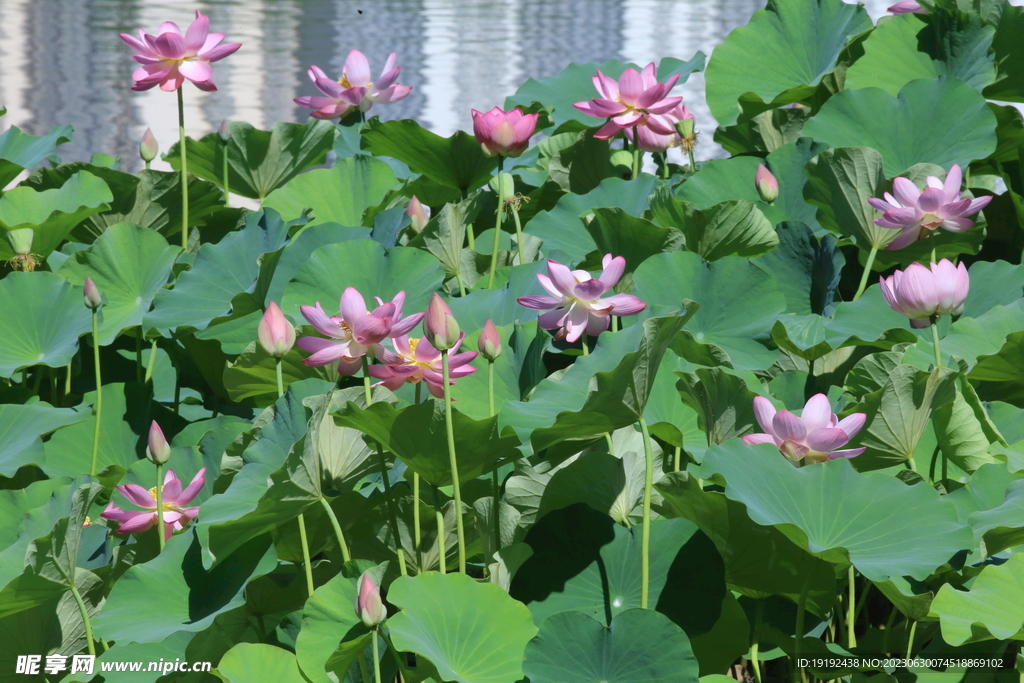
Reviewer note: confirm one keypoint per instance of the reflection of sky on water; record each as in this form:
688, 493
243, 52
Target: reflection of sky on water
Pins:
62, 62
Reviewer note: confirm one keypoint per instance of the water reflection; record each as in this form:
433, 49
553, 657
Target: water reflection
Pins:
62, 62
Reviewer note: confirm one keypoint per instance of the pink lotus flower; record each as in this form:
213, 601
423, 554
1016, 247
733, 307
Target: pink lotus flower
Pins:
636, 99
766, 184
815, 436
356, 332
157, 449
504, 133
576, 299
369, 607
415, 360
169, 57
652, 141
907, 7
354, 88
418, 213
276, 335
175, 516
489, 342
148, 147
921, 292
91, 296
917, 212
440, 327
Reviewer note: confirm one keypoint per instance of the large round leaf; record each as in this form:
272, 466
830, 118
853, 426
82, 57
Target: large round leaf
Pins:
21, 427
939, 121
993, 608
257, 662
327, 619
44, 317
782, 74
129, 265
19, 150
367, 266
340, 194
883, 526
472, 632
640, 646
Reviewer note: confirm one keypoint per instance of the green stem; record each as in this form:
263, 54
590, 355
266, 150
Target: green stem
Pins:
67, 382
149, 365
693, 164
227, 191
160, 506
586, 349
615, 323
442, 553
85, 618
888, 629
138, 357
184, 169
280, 379
851, 635
497, 225
376, 656
519, 234
490, 388
305, 555
386, 480
867, 271
462, 285
801, 609
758, 617
399, 659
645, 543
337, 531
416, 535
363, 669
147, 165
910, 638
494, 474
935, 340
99, 389
611, 444
678, 459
453, 461
636, 151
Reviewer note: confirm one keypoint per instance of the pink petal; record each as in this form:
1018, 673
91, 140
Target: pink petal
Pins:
552, 319
613, 270
826, 439
976, 205
325, 351
170, 45
353, 306
906, 192
588, 290
608, 130
393, 93
197, 72
142, 521
218, 53
664, 106
788, 426
576, 323
539, 303
562, 278
624, 304
320, 321
847, 453
631, 87
909, 235
851, 424
193, 489
930, 200
137, 495
357, 69
764, 411
406, 325
606, 85
169, 27
598, 324
817, 413
752, 439
951, 188
195, 36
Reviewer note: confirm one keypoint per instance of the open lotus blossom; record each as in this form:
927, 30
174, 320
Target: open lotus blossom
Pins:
354, 88
355, 332
907, 7
175, 515
816, 436
920, 292
652, 141
415, 360
917, 212
503, 132
169, 57
576, 299
636, 99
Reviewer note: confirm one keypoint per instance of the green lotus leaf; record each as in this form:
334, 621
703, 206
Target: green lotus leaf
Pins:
21, 429
340, 194
812, 268
992, 608
19, 151
938, 121
735, 227
742, 82
765, 132
635, 239
722, 400
881, 525
327, 619
450, 619
840, 182
252, 378
993, 283
254, 662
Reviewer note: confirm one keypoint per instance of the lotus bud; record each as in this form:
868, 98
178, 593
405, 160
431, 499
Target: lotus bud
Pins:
148, 149
767, 185
276, 335
224, 132
489, 342
92, 294
369, 607
157, 450
418, 213
440, 327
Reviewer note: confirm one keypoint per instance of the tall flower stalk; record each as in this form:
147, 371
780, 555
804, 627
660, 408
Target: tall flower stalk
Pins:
497, 226
93, 301
489, 345
184, 170
645, 538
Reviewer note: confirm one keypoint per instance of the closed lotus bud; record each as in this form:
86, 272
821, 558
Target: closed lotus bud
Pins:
157, 449
418, 213
224, 132
439, 326
489, 342
148, 148
767, 185
92, 294
276, 335
369, 607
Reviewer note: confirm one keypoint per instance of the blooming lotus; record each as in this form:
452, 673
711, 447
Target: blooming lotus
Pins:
920, 292
503, 132
169, 57
175, 516
354, 89
354, 333
907, 7
816, 436
917, 212
651, 141
415, 360
576, 299
636, 99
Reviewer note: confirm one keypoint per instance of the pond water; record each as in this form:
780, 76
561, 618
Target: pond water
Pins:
62, 62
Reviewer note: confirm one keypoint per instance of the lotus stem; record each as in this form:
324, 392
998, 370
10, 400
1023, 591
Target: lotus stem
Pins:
85, 617
184, 169
99, 390
611, 444
441, 546
67, 382
615, 324
363, 668
497, 225
636, 152
494, 475
910, 638
376, 655
462, 285
160, 506
678, 459
227, 191
851, 635
867, 271
645, 542
801, 608
459, 527
388, 502
888, 629
519, 233
138, 357
405, 674
416, 535
586, 349
693, 164
149, 365
338, 533
305, 555
935, 340
755, 640
147, 165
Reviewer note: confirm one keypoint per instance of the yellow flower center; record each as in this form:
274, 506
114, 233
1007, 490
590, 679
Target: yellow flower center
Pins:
344, 83
167, 507
411, 358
